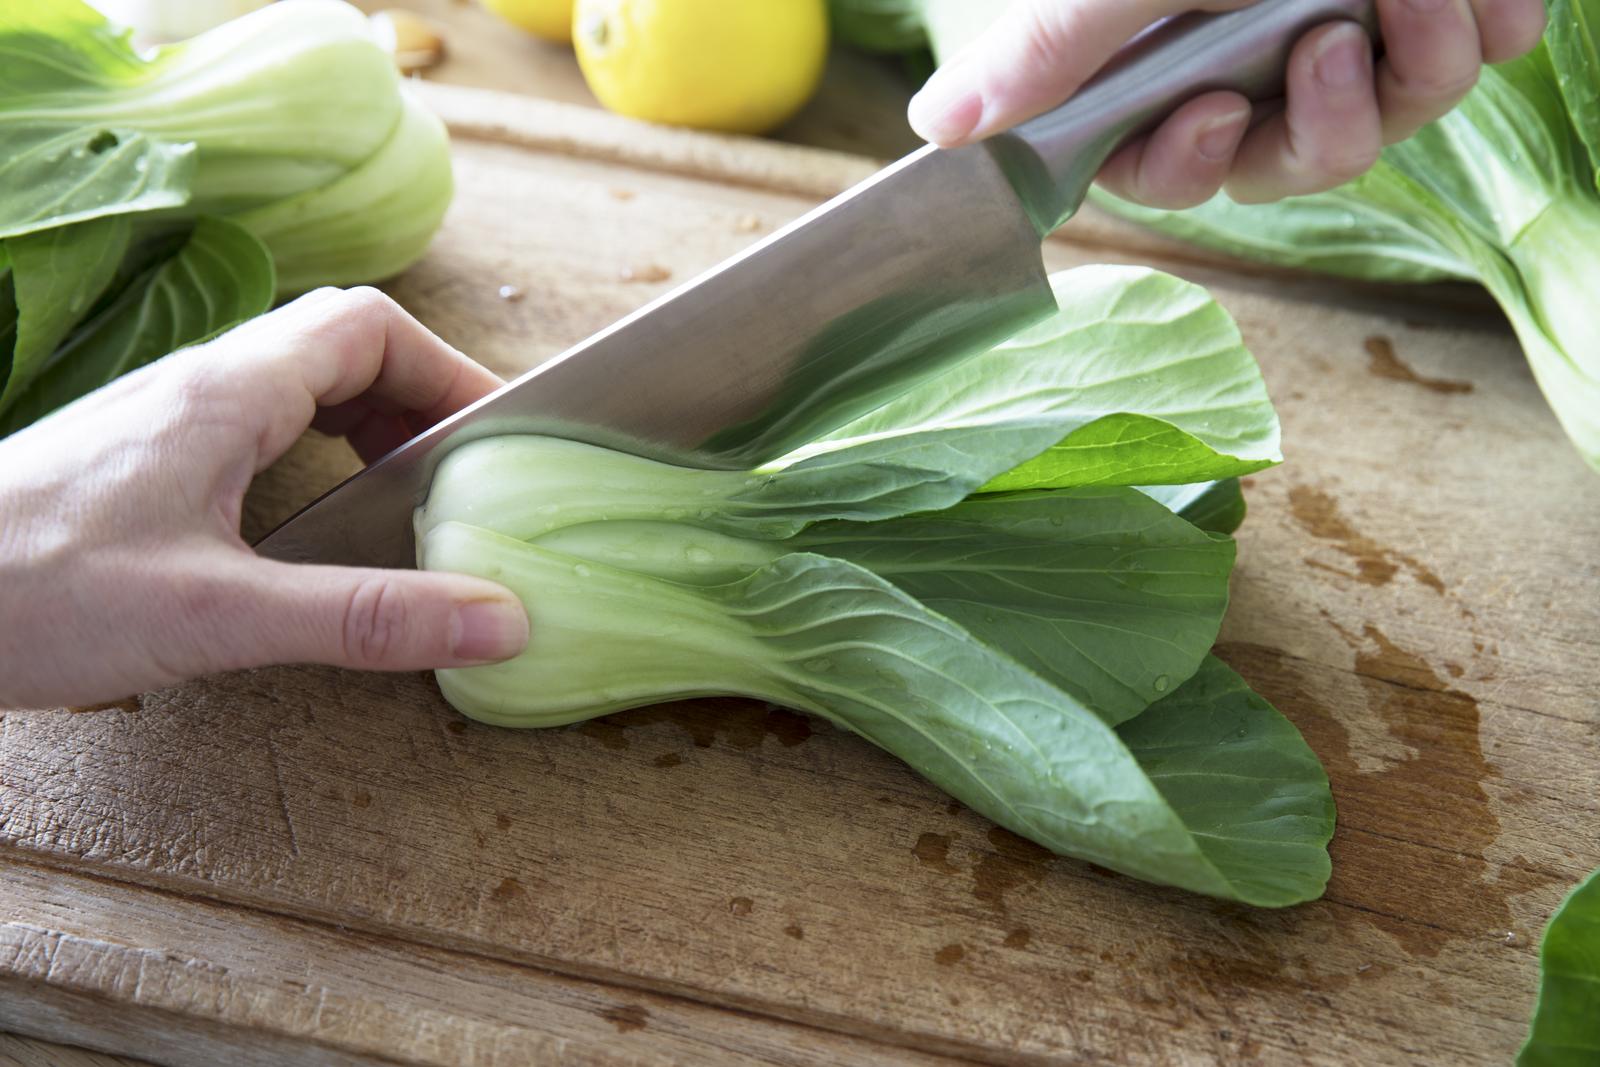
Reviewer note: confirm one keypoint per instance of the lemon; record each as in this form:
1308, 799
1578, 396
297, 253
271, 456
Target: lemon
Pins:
743, 66
550, 19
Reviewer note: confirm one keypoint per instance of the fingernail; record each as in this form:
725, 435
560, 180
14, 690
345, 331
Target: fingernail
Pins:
1344, 59
488, 631
1220, 137
945, 111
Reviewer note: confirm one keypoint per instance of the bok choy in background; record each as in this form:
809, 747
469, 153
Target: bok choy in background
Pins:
1503, 191
969, 576
149, 202
1566, 1022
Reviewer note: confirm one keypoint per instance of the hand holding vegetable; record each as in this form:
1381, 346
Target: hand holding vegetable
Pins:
120, 556
1341, 108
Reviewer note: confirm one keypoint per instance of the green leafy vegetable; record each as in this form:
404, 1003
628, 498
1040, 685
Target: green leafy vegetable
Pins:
832, 638
1566, 1023
370, 222
1041, 653
218, 278
283, 135
57, 275
892, 26
1503, 191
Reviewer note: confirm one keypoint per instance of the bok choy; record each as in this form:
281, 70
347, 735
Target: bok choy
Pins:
1566, 1022
1504, 191
989, 577
151, 201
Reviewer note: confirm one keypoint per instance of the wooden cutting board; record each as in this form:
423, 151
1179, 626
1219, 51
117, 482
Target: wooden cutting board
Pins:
310, 866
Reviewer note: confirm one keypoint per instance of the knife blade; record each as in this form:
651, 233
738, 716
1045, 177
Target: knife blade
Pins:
929, 261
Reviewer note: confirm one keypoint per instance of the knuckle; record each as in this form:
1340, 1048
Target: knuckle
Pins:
329, 304
1444, 87
365, 300
1182, 198
1520, 25
1334, 165
191, 388
1046, 36
375, 622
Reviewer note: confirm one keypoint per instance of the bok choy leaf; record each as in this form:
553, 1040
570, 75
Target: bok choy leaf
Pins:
1566, 1023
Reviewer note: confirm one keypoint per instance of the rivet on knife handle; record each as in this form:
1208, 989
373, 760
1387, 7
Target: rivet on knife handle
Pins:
1053, 158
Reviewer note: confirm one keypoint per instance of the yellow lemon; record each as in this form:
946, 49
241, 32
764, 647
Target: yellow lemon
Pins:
550, 19
743, 66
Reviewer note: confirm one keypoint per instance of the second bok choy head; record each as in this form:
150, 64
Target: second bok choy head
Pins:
992, 577
153, 200
1504, 191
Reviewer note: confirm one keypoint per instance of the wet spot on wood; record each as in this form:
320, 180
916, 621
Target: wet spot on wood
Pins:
1318, 514
933, 850
1083, 975
1249, 963
949, 956
1018, 938
667, 759
953, 807
626, 1017
740, 724
456, 726
788, 727
361, 799
1410, 857
126, 704
502, 821
1015, 862
1383, 362
794, 931
608, 732
741, 906
508, 890
645, 273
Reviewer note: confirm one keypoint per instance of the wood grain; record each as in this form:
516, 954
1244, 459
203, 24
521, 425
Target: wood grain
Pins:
305, 865
16, 1051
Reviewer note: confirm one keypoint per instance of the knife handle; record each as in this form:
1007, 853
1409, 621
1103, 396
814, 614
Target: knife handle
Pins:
1052, 159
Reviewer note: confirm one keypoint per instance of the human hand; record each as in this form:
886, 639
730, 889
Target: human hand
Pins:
121, 564
1339, 113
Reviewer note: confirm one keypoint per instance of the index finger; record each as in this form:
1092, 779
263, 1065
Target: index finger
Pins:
1036, 55
333, 345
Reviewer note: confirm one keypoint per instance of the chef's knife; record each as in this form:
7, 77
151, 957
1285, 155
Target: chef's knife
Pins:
929, 261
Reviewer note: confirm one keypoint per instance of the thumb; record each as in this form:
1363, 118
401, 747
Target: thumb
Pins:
378, 620
1036, 55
